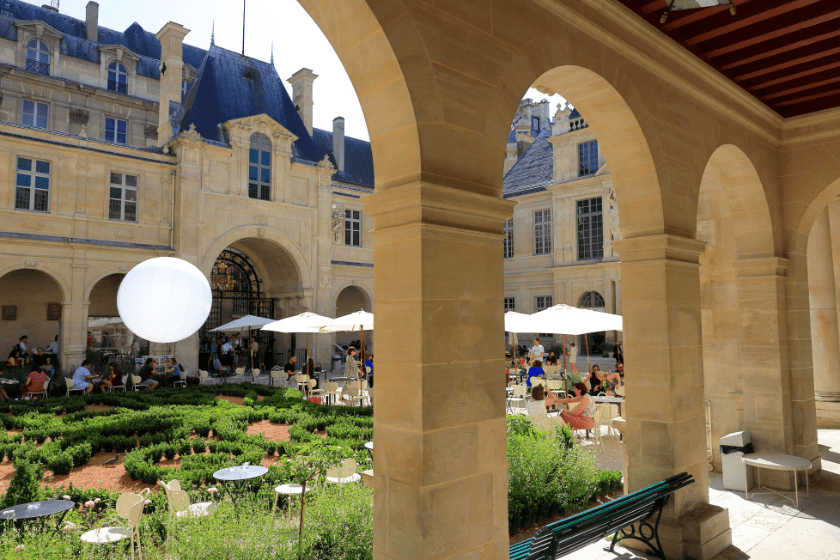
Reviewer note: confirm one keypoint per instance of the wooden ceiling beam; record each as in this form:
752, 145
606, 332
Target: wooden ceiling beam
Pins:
812, 106
808, 95
810, 83
806, 39
795, 74
749, 14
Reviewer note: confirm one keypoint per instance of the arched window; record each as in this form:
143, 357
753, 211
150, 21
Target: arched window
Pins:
259, 167
591, 300
117, 77
38, 57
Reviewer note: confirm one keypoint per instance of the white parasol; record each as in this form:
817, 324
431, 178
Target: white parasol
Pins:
246, 322
306, 322
564, 319
358, 321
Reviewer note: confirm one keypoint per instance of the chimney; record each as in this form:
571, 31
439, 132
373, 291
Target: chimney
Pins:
338, 142
92, 21
171, 38
302, 95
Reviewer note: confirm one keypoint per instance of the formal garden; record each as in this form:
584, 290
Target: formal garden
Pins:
188, 434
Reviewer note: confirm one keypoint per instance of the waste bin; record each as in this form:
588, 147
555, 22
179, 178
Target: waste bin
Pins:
736, 476
336, 362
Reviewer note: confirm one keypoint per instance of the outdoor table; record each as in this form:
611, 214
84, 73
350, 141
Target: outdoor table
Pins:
289, 490
355, 477
236, 479
369, 447
777, 462
609, 400
38, 510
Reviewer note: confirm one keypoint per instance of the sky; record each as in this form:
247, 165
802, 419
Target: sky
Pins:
298, 43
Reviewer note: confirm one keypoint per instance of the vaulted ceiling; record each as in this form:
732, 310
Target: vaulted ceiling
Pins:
786, 53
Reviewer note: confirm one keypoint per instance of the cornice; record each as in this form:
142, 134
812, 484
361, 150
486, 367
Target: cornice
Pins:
755, 116
812, 127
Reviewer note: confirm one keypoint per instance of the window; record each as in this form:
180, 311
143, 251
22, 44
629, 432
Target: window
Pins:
592, 300
33, 185
116, 130
259, 168
544, 302
123, 198
508, 242
38, 57
510, 304
353, 228
588, 158
542, 232
535, 123
35, 113
185, 85
590, 229
117, 78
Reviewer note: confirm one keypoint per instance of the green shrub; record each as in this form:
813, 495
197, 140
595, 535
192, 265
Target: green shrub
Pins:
199, 445
61, 463
169, 451
25, 484
339, 523
184, 447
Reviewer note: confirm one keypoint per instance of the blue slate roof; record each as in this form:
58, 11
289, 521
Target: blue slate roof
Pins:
534, 170
358, 158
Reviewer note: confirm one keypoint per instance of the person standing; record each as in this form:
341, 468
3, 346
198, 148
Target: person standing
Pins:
619, 353
351, 366
53, 347
573, 357
537, 351
82, 378
226, 354
369, 369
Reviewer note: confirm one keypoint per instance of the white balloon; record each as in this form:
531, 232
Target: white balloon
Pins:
164, 299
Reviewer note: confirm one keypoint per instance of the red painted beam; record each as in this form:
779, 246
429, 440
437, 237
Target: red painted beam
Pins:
808, 71
799, 45
809, 95
803, 86
806, 107
749, 14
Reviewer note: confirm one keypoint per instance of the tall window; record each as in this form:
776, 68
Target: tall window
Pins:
535, 123
544, 302
591, 300
117, 77
33, 185
38, 57
588, 158
259, 167
35, 113
353, 228
508, 243
123, 198
510, 304
116, 130
185, 85
590, 229
542, 232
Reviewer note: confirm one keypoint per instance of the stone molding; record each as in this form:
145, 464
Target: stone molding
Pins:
660, 247
752, 268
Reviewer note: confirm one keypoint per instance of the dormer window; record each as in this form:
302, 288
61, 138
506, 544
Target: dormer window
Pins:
38, 57
117, 77
185, 86
535, 123
259, 167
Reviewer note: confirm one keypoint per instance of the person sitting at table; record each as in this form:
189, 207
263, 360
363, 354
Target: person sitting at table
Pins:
609, 382
41, 361
53, 347
290, 369
172, 368
552, 359
146, 372
535, 370
583, 416
619, 369
82, 378
34, 383
113, 379
537, 404
594, 380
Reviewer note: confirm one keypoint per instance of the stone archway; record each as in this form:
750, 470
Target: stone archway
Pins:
349, 300
103, 317
31, 305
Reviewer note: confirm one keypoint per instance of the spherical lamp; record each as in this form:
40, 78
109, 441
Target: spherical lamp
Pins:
164, 299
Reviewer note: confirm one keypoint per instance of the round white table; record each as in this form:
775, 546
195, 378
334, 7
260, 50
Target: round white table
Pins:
778, 462
288, 490
355, 477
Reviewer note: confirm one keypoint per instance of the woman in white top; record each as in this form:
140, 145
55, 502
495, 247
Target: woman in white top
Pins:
573, 357
535, 406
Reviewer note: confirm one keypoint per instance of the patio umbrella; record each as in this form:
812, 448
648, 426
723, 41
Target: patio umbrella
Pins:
516, 323
306, 322
246, 322
358, 321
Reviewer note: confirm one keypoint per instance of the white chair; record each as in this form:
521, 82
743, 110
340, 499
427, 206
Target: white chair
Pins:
520, 393
182, 381
203, 376
43, 390
356, 395
239, 375
255, 375
277, 376
313, 392
344, 473
135, 379
179, 502
333, 391
70, 383
113, 388
130, 507
302, 381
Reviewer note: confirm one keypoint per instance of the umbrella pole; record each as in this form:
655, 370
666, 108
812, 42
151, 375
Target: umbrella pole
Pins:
251, 350
565, 373
586, 339
362, 357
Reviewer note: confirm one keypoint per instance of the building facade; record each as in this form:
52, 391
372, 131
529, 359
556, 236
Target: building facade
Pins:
558, 245
118, 147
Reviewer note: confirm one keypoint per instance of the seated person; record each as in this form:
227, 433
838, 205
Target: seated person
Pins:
147, 371
113, 379
43, 362
595, 380
35, 383
552, 359
536, 370
582, 417
173, 368
536, 405
290, 369
82, 378
609, 382
53, 347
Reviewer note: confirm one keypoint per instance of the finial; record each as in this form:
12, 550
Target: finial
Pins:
213, 34
272, 53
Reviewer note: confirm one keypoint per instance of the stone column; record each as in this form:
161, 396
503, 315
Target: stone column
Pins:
823, 299
440, 478
665, 416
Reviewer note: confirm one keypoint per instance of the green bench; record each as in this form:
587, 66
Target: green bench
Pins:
616, 517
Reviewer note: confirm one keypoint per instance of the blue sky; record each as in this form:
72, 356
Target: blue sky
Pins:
298, 43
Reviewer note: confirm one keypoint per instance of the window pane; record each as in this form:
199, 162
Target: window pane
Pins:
116, 179
42, 200
122, 126
42, 182
131, 211
131, 194
24, 164
114, 209
116, 192
253, 173
265, 192
252, 190
24, 180
28, 113
22, 199
265, 158
253, 156
109, 129
42, 166
131, 180
42, 111
266, 175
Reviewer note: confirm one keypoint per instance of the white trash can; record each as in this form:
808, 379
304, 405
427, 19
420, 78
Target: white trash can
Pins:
736, 476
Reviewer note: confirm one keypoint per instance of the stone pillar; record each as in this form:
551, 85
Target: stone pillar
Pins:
825, 340
665, 414
440, 480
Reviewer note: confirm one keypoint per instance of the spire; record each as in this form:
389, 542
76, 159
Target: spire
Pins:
213, 34
272, 52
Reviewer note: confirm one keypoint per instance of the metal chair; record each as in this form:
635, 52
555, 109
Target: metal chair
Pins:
302, 381
43, 390
313, 392
255, 375
239, 375
113, 388
70, 383
344, 473
277, 376
135, 379
203, 376
182, 381
130, 507
179, 502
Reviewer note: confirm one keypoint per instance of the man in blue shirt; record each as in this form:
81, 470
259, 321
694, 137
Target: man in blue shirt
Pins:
82, 377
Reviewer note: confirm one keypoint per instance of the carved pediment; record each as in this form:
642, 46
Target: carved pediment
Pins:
39, 29
119, 52
263, 124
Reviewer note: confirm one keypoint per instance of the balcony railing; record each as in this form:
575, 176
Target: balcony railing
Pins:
38, 67
117, 86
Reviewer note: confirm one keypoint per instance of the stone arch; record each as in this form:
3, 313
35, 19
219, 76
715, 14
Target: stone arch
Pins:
590, 299
30, 290
58, 278
277, 237
105, 287
367, 304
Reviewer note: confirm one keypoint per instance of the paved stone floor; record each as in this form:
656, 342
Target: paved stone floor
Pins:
766, 527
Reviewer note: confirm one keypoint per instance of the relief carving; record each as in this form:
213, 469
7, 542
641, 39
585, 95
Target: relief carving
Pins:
79, 116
